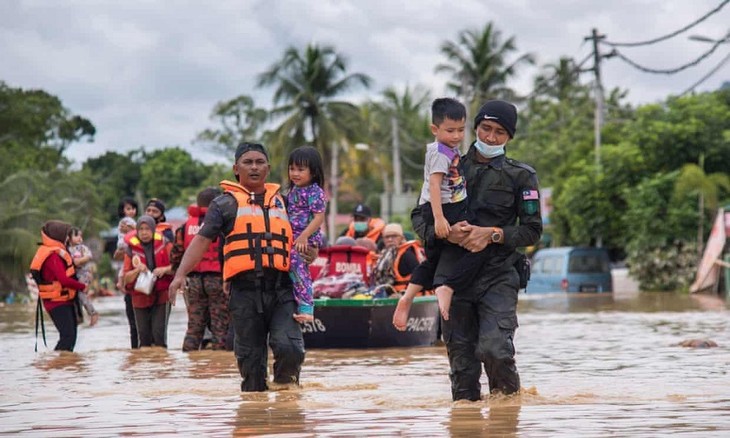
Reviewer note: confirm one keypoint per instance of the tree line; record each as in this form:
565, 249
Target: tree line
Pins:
662, 175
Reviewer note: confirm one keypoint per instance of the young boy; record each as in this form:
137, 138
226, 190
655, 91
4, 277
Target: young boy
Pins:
442, 203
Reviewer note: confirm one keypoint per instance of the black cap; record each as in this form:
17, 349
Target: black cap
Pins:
245, 147
362, 210
501, 112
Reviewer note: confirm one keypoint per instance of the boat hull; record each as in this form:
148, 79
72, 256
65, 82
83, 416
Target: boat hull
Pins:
348, 323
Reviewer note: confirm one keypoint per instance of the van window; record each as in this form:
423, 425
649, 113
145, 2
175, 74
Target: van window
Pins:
585, 262
553, 265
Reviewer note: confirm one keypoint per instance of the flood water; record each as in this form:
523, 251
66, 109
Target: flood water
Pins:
591, 366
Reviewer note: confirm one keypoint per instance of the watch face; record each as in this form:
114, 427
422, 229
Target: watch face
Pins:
496, 237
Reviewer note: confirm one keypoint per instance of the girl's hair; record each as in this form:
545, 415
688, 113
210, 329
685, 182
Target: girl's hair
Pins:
126, 200
74, 231
309, 157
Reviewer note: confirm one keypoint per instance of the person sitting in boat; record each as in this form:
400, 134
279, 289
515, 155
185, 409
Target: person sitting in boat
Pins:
397, 260
363, 224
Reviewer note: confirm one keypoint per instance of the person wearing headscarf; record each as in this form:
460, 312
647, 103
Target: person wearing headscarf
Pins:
148, 250
53, 270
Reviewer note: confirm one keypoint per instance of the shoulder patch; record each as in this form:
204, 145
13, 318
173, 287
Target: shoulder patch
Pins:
527, 167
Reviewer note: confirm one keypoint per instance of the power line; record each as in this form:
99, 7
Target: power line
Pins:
707, 76
675, 33
672, 70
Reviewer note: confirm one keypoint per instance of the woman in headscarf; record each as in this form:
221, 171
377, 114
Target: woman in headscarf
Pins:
149, 251
53, 270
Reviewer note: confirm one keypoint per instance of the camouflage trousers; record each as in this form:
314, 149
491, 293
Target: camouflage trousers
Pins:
207, 307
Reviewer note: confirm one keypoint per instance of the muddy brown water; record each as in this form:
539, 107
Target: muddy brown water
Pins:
591, 365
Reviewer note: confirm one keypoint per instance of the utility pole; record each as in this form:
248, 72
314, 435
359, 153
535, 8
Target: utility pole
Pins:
397, 179
334, 186
598, 92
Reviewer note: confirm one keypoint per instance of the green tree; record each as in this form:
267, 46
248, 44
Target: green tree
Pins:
36, 129
31, 197
239, 119
307, 85
116, 175
480, 64
166, 172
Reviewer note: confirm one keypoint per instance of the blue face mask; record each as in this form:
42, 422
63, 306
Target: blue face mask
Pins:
361, 226
489, 151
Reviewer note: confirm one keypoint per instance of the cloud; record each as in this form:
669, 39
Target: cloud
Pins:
149, 73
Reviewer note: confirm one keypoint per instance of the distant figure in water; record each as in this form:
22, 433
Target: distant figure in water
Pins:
698, 343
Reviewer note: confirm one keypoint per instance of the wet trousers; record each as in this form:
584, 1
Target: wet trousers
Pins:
480, 332
64, 318
261, 315
152, 324
207, 304
133, 336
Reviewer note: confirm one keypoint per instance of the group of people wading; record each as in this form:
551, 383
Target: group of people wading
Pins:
244, 251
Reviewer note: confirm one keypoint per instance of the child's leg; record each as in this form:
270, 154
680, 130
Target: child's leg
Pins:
444, 294
421, 276
302, 281
465, 271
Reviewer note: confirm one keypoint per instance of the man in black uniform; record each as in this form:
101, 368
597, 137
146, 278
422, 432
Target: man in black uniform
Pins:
504, 199
252, 216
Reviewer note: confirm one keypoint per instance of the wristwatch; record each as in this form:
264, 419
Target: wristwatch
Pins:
497, 236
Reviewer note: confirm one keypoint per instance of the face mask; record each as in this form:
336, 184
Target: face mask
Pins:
489, 151
361, 226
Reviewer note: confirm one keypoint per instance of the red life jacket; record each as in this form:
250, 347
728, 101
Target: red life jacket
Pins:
210, 261
160, 293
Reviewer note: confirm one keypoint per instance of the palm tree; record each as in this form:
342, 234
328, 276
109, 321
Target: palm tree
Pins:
240, 120
308, 83
408, 111
693, 181
478, 63
558, 81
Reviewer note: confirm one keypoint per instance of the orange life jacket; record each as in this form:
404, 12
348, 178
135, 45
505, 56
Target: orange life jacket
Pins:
162, 258
261, 236
375, 227
401, 281
52, 291
161, 227
210, 261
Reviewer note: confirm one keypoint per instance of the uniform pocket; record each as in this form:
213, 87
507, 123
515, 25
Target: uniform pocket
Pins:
508, 322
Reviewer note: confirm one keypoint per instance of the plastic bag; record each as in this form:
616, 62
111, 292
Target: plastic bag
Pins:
145, 282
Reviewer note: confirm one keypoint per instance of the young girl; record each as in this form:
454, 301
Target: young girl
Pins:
82, 258
306, 204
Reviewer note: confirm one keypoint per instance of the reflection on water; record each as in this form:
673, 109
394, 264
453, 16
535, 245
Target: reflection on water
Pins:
592, 365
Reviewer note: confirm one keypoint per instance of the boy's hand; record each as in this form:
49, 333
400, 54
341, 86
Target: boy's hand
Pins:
442, 227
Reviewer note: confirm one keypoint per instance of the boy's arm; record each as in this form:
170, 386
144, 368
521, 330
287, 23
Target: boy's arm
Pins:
434, 192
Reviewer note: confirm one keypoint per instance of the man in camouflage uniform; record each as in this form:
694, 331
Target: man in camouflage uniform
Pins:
503, 196
207, 305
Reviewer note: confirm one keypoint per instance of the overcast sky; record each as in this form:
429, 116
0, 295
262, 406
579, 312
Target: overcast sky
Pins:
148, 73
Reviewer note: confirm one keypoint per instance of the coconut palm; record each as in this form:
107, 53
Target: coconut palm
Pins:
409, 109
479, 64
693, 181
308, 83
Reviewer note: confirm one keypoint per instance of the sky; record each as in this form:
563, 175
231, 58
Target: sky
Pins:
148, 73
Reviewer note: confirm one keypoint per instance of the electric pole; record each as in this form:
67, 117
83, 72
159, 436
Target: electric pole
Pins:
598, 95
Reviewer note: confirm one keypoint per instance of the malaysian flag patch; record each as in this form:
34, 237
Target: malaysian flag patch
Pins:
529, 195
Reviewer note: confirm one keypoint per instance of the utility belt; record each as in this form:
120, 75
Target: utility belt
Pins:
205, 274
268, 280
